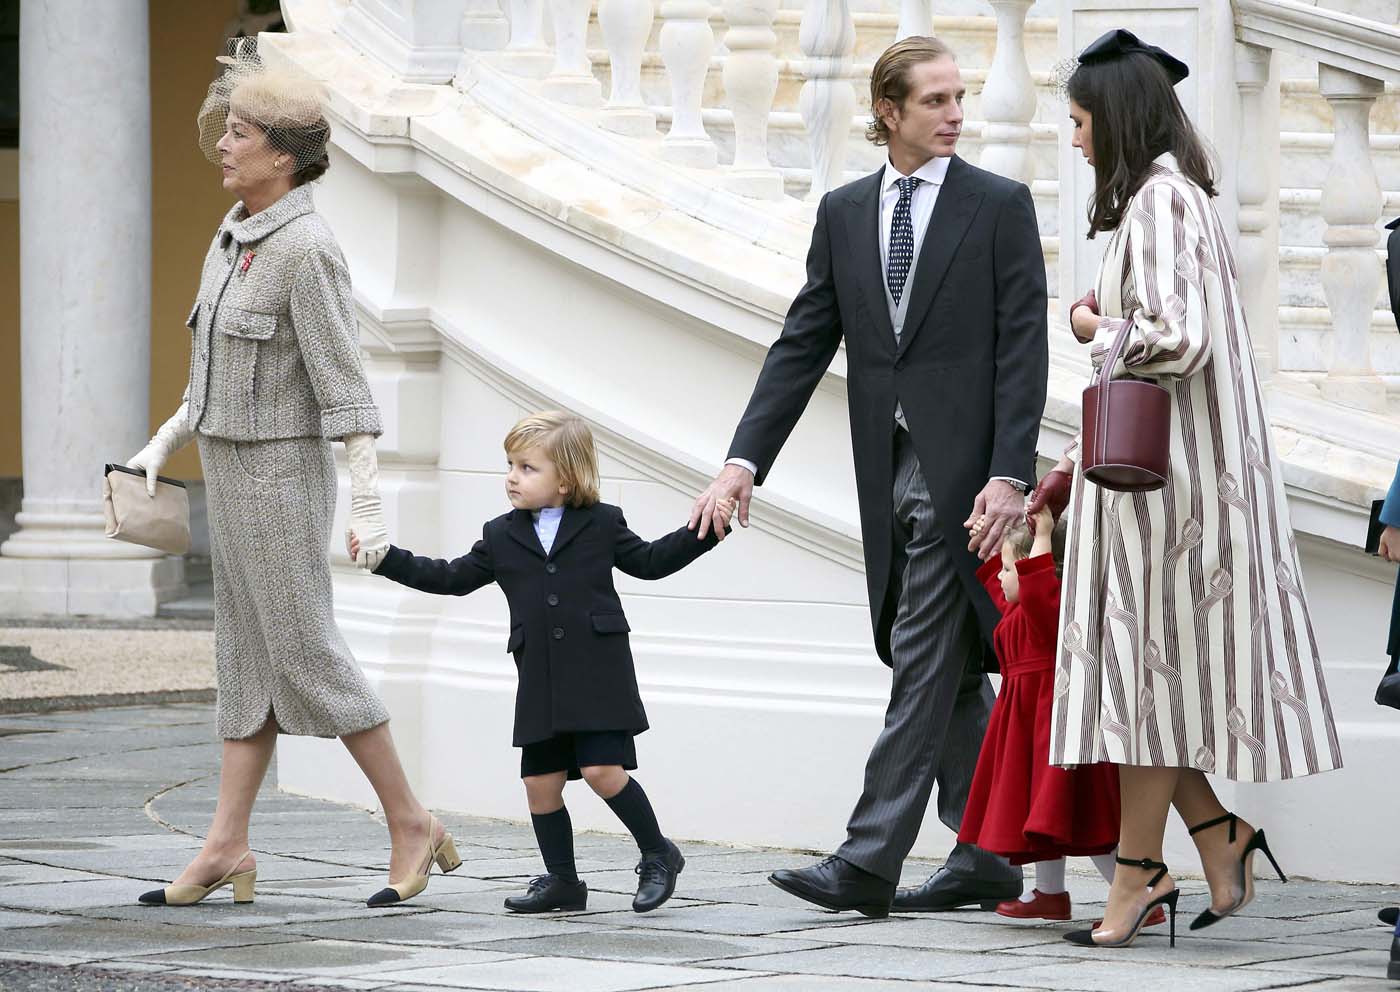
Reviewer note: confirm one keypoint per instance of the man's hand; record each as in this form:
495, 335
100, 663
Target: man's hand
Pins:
996, 507
1052, 492
1390, 544
733, 482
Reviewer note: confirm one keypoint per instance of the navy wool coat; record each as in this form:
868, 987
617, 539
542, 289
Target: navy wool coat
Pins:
567, 629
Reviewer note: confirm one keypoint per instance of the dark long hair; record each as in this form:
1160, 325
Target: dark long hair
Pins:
1136, 117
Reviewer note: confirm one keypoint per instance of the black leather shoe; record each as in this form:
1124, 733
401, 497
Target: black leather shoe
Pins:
838, 885
1392, 970
946, 891
1389, 915
657, 879
549, 893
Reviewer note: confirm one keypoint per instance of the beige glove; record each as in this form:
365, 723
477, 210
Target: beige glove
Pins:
173, 435
366, 510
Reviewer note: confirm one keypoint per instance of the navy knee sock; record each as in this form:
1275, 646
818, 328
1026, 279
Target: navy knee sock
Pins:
634, 810
554, 832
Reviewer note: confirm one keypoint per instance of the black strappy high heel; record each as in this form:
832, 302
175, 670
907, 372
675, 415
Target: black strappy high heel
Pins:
1085, 938
1256, 843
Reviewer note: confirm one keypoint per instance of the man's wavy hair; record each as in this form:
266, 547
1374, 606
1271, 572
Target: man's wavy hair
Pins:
889, 80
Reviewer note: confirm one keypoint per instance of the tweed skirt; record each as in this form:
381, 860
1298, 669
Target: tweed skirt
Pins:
278, 652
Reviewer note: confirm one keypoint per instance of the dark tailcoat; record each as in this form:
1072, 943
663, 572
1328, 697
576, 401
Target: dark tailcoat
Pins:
1390, 513
970, 368
567, 629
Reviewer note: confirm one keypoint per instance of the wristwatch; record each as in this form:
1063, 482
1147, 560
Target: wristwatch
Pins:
1017, 485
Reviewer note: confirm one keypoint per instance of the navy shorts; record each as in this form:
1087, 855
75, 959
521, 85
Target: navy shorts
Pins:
570, 752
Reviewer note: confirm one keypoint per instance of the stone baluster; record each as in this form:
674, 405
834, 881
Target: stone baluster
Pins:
571, 80
828, 98
686, 45
484, 27
1256, 187
1351, 270
626, 27
750, 83
1008, 99
526, 54
914, 18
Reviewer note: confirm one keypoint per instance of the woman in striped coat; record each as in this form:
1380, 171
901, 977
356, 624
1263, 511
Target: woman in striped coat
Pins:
1186, 645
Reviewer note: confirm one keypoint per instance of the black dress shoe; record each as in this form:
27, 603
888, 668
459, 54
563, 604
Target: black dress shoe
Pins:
838, 885
946, 891
1389, 915
549, 893
657, 879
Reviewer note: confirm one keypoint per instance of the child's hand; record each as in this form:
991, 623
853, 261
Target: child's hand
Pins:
725, 509
352, 544
1042, 522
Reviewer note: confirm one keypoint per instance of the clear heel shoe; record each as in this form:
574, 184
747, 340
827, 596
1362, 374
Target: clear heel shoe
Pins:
1085, 938
1246, 877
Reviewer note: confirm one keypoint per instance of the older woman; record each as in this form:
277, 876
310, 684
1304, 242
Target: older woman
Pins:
1186, 645
275, 377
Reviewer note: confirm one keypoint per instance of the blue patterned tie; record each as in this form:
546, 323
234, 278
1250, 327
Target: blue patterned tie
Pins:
901, 239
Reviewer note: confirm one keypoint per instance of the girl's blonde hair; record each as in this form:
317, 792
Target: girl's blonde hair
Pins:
1022, 540
568, 443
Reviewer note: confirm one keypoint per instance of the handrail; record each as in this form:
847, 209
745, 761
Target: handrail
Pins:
1356, 44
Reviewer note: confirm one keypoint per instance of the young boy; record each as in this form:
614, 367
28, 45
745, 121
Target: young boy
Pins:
577, 708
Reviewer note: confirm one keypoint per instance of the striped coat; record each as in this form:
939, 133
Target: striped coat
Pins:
1185, 638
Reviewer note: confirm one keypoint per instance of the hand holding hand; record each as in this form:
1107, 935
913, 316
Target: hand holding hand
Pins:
996, 506
1390, 544
1051, 494
735, 483
366, 509
1042, 525
352, 543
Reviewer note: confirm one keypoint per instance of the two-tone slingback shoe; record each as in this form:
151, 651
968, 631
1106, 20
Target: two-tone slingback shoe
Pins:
1246, 870
1105, 938
187, 894
444, 852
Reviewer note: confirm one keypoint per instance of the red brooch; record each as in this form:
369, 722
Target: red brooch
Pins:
247, 261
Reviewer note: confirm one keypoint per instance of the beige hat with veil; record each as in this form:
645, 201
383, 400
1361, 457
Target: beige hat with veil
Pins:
287, 105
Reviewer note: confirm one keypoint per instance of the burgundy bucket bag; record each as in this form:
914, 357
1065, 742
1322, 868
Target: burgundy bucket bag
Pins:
1126, 442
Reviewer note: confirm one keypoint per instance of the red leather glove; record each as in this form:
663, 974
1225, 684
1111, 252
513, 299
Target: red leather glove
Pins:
1052, 491
1087, 300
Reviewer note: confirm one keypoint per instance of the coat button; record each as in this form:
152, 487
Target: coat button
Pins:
552, 600
558, 633
550, 567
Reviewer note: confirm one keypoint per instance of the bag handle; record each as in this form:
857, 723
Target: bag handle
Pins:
1115, 351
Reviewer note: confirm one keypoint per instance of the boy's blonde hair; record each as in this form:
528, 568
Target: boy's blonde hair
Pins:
1022, 540
568, 443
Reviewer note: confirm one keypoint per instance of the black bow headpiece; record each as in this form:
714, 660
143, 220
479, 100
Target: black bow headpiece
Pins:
1118, 42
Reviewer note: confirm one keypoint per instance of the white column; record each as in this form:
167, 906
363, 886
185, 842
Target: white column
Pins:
750, 82
85, 308
1351, 270
914, 18
1008, 99
828, 98
686, 45
526, 53
626, 27
484, 26
571, 80
1256, 186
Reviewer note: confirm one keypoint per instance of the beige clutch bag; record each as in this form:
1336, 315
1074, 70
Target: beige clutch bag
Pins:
161, 522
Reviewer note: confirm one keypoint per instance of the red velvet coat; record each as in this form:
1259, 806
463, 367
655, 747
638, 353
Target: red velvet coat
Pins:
1020, 806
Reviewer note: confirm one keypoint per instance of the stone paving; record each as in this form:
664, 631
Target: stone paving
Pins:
97, 806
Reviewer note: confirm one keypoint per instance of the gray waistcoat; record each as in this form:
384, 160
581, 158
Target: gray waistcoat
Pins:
898, 313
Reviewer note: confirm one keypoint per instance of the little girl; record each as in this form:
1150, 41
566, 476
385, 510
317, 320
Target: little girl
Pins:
577, 707
1020, 806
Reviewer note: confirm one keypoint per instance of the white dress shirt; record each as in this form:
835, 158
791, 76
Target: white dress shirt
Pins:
921, 204
547, 525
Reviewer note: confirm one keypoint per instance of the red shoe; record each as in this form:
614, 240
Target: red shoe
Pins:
1041, 907
1154, 919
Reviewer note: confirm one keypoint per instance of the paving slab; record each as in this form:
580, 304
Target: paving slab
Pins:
219, 910
727, 918
937, 935
649, 946
909, 963
103, 940
1116, 976
327, 958
442, 929
545, 974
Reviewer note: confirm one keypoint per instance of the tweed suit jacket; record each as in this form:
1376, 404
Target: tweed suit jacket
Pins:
276, 350
568, 633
